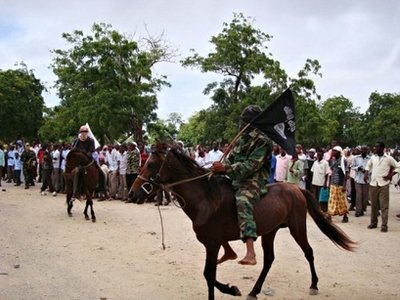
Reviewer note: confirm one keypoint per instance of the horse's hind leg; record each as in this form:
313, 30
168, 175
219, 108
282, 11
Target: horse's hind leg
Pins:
269, 256
86, 209
69, 204
299, 233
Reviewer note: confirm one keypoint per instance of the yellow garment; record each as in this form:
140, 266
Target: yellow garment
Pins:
337, 204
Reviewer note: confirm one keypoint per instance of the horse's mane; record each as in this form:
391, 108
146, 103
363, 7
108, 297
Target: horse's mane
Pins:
188, 163
76, 151
209, 184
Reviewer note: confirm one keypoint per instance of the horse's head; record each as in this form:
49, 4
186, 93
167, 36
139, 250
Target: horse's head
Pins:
151, 176
165, 166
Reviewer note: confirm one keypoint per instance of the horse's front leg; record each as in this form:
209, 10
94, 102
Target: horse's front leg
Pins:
210, 273
90, 202
269, 257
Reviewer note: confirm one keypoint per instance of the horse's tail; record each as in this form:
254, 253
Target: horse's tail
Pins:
334, 233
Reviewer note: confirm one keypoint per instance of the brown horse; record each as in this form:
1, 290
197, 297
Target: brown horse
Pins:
79, 162
210, 204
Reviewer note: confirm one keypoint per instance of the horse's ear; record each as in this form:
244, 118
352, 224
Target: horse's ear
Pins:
174, 146
161, 146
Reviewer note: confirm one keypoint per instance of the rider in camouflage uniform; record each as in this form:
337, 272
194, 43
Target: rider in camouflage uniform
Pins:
28, 157
246, 165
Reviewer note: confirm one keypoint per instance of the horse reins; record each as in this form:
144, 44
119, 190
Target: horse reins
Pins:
167, 187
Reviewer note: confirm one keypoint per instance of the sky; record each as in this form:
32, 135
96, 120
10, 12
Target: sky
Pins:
356, 42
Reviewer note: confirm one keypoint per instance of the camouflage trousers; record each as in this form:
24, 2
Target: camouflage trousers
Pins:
28, 174
246, 198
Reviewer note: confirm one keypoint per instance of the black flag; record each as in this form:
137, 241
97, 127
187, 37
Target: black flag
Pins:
278, 122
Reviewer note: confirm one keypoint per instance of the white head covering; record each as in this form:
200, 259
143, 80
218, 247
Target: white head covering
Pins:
338, 148
84, 128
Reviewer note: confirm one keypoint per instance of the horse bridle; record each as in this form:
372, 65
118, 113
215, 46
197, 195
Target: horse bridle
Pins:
147, 186
91, 162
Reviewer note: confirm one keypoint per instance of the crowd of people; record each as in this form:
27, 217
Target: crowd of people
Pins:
45, 165
342, 180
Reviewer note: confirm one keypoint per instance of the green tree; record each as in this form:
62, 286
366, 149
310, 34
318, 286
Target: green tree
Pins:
21, 104
338, 116
194, 131
106, 79
165, 129
241, 55
382, 122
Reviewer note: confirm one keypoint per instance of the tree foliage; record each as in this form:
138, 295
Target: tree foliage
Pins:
21, 104
339, 116
241, 56
165, 130
106, 78
194, 131
381, 121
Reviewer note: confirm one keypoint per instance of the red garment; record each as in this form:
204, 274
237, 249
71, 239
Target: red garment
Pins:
143, 157
40, 156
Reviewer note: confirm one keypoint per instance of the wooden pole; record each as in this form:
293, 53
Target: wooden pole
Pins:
227, 151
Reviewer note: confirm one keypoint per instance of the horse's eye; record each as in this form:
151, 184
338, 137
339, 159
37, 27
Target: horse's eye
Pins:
153, 168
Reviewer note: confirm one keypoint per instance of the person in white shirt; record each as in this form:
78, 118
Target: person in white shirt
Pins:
282, 162
201, 157
320, 172
122, 166
381, 169
213, 155
56, 173
362, 188
112, 161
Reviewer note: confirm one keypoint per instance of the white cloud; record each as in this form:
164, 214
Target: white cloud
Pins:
356, 41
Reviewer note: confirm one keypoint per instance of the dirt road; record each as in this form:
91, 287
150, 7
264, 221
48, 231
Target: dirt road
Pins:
44, 254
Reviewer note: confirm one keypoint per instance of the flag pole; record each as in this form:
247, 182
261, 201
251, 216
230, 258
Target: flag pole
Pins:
233, 142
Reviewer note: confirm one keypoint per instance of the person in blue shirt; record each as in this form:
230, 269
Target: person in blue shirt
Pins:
2, 162
17, 169
10, 163
275, 152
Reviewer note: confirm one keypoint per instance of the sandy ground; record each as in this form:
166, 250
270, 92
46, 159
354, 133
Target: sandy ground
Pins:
44, 254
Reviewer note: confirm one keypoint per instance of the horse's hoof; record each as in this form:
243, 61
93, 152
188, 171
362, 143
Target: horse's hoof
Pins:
236, 291
87, 218
251, 297
69, 214
93, 220
313, 292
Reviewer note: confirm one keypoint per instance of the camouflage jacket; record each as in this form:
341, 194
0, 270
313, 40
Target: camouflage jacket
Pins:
133, 162
248, 162
28, 157
47, 161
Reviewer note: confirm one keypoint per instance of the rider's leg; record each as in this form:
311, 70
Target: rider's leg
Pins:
229, 254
